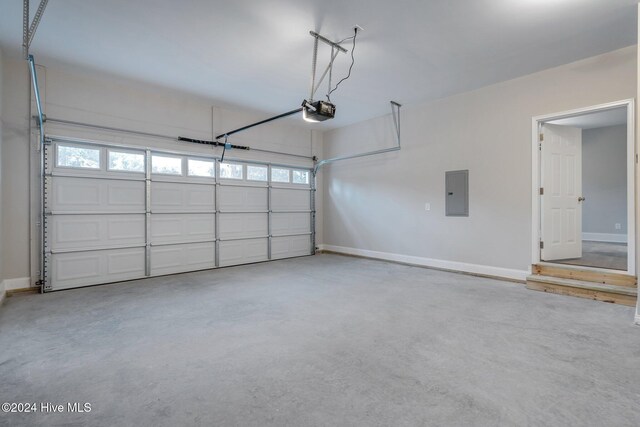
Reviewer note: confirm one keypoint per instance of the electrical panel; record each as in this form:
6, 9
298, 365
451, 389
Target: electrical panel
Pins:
457, 193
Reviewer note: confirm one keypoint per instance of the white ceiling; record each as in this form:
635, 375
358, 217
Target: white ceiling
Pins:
257, 54
613, 117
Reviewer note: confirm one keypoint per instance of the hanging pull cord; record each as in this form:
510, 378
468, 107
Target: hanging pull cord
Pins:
224, 150
395, 112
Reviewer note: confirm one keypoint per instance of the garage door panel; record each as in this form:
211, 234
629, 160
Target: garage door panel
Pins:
180, 258
124, 262
234, 226
237, 198
76, 193
181, 197
182, 228
285, 199
89, 268
97, 195
285, 247
290, 223
243, 251
121, 193
110, 224
96, 231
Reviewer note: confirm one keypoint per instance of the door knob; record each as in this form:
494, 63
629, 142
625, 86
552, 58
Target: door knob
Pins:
582, 199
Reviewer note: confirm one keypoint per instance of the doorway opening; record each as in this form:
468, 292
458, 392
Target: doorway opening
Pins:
584, 189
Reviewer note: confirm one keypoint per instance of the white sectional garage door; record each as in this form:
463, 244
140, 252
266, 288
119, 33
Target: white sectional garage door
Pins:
121, 213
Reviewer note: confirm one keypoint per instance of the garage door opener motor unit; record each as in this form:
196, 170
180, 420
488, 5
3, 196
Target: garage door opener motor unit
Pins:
312, 111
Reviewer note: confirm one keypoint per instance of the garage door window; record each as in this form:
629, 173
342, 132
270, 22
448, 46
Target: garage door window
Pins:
279, 175
77, 157
230, 171
256, 173
201, 168
126, 161
166, 165
301, 177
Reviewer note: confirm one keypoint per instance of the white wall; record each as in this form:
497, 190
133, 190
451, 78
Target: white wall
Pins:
2, 243
377, 204
637, 110
88, 96
15, 169
374, 204
604, 181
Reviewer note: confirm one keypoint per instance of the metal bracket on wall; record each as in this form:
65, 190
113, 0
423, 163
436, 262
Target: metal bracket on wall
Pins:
36, 92
43, 166
45, 253
395, 112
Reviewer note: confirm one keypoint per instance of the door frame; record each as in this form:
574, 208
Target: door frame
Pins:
536, 175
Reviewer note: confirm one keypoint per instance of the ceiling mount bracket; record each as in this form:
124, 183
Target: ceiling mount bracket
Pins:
326, 110
327, 41
28, 31
335, 49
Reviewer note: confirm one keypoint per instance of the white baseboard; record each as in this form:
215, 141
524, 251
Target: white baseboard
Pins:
17, 283
10, 284
484, 270
605, 237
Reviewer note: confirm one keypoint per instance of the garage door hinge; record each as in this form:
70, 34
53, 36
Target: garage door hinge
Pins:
541, 191
541, 244
48, 141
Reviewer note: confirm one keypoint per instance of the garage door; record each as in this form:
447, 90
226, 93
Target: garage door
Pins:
115, 213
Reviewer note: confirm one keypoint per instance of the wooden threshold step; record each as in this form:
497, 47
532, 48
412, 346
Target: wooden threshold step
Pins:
569, 272
584, 289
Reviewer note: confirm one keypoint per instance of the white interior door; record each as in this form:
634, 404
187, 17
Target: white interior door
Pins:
561, 155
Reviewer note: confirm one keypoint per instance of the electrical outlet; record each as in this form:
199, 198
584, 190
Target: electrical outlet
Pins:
427, 206
618, 226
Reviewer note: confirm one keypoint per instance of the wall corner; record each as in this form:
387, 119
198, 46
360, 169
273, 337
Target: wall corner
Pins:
637, 110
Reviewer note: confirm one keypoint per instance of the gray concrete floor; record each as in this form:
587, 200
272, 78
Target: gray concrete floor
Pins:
324, 340
600, 255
